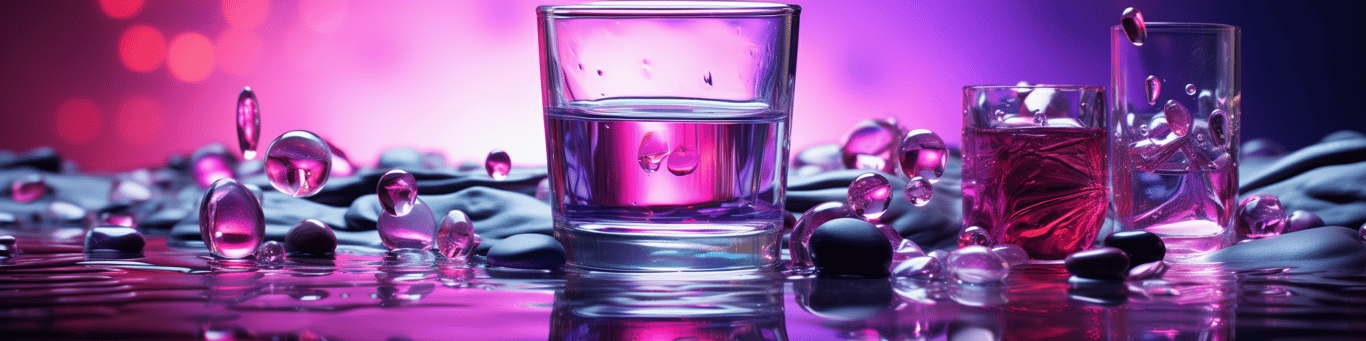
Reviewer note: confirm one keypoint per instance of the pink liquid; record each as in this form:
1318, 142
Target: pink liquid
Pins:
1040, 188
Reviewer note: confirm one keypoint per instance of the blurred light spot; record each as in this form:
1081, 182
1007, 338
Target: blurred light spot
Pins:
142, 48
239, 51
190, 57
121, 9
322, 15
245, 14
140, 120
78, 120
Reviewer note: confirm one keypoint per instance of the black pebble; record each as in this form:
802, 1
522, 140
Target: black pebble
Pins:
1141, 246
527, 251
311, 239
114, 238
845, 299
1102, 292
848, 247
1098, 263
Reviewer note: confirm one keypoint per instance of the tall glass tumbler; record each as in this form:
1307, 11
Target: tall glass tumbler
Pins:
1034, 166
1175, 115
667, 132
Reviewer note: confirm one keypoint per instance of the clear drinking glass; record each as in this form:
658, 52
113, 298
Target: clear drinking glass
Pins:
1034, 166
1175, 140
667, 131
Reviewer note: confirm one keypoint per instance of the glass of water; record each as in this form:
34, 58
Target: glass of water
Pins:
667, 128
1175, 114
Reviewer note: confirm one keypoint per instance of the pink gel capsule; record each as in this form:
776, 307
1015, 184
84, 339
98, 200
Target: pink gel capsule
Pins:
455, 236
415, 230
397, 191
248, 122
298, 163
231, 222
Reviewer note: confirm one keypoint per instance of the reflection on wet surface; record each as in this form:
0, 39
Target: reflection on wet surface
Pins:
52, 291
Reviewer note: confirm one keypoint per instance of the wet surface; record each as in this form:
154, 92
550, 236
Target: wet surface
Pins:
53, 291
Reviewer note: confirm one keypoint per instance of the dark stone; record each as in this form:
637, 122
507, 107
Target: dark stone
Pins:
1105, 292
844, 299
1302, 220
1140, 246
1099, 263
41, 158
114, 238
848, 247
311, 238
527, 251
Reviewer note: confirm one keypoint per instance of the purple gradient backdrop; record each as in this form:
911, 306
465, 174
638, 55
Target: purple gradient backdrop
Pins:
461, 77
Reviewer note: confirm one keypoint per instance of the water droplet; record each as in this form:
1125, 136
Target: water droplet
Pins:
683, 161
1143, 130
397, 191
999, 114
707, 78
248, 122
973, 235
599, 72
1218, 128
298, 163
977, 264
1011, 253
1154, 87
270, 253
1191, 89
1261, 216
918, 267
923, 153
1178, 119
210, 163
919, 191
653, 149
800, 240
28, 188
415, 230
869, 195
543, 189
1040, 120
455, 237
1134, 28
906, 250
498, 164
231, 222
872, 145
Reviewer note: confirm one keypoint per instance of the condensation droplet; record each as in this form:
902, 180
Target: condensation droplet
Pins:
919, 191
270, 253
653, 149
1154, 87
1178, 118
869, 195
683, 161
498, 164
923, 153
298, 163
1134, 28
397, 190
248, 122
1191, 89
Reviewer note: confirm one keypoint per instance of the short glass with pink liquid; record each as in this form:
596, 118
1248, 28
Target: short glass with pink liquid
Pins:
1034, 166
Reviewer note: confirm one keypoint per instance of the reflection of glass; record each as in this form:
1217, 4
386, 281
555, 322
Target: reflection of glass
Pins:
1175, 120
666, 131
1034, 166
609, 307
1190, 302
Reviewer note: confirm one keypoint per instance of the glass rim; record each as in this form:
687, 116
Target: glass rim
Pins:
1183, 27
1061, 87
667, 9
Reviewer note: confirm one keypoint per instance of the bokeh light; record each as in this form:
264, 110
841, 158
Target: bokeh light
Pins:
77, 121
239, 51
142, 48
121, 9
190, 57
323, 15
245, 14
140, 121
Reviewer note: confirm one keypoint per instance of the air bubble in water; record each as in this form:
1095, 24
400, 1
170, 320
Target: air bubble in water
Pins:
653, 149
498, 164
1191, 89
869, 195
683, 161
248, 122
923, 153
919, 191
1154, 88
1134, 28
1178, 118
1218, 128
298, 163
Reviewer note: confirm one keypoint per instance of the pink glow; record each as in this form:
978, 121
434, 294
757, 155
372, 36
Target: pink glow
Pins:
121, 9
190, 57
140, 121
78, 120
142, 48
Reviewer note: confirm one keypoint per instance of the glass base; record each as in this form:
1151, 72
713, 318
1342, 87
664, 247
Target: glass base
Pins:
1192, 238
636, 247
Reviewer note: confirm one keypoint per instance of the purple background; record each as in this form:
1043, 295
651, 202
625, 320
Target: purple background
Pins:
461, 77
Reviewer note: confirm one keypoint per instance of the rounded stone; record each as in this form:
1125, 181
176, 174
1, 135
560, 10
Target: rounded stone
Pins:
527, 251
848, 247
1140, 246
114, 238
1302, 220
1098, 263
311, 236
